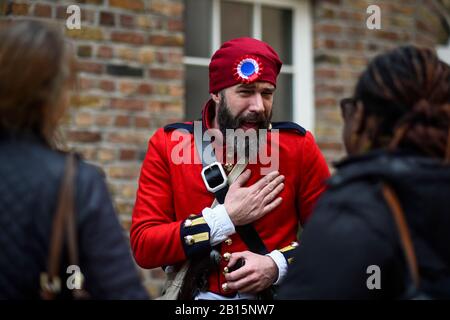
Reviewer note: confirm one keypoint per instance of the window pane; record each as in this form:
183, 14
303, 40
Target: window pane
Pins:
282, 101
198, 28
277, 31
197, 85
236, 20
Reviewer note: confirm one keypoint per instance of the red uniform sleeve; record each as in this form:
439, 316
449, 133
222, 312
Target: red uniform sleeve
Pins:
154, 233
314, 172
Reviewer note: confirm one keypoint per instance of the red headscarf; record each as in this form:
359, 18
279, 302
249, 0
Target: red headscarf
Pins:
243, 60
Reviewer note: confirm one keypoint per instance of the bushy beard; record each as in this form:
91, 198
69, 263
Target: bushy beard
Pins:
226, 120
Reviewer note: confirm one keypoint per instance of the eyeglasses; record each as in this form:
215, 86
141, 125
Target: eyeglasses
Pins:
347, 106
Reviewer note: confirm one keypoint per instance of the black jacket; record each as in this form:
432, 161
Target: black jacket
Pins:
30, 175
352, 228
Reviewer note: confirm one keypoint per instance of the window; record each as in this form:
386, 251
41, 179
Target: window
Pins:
284, 24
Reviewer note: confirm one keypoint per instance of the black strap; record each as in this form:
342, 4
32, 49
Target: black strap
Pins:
251, 238
247, 232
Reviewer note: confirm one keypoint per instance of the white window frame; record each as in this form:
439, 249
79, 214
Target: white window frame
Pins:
302, 67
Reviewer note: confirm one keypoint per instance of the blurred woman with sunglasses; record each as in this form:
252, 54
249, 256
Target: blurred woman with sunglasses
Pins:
397, 135
36, 72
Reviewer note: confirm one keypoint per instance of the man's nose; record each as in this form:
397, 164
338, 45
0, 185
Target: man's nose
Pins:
256, 103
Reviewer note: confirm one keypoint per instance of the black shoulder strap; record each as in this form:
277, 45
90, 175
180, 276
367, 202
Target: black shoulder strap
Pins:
247, 233
287, 125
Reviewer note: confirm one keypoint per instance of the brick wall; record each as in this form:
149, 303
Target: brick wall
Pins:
343, 45
131, 74
130, 57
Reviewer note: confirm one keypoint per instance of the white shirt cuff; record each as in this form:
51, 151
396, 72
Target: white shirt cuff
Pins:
219, 223
281, 263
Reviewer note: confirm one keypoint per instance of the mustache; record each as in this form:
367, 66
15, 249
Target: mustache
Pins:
258, 118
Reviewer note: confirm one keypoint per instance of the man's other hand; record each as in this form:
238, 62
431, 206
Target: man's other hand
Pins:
258, 272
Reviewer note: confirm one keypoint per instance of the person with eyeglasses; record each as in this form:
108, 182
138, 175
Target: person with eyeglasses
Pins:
381, 230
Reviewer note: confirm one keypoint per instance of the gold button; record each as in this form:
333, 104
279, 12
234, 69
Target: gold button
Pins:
189, 240
225, 270
225, 287
270, 126
228, 166
294, 244
229, 241
188, 223
227, 256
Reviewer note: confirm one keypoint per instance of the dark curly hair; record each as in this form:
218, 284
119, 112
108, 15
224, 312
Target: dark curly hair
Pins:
408, 90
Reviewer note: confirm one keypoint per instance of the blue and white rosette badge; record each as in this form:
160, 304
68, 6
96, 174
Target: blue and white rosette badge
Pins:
247, 69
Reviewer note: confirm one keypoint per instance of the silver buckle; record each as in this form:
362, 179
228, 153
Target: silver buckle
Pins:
222, 172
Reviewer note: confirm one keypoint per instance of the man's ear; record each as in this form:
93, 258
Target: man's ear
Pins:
215, 97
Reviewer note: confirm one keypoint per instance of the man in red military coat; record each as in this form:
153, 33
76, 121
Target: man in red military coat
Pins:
173, 218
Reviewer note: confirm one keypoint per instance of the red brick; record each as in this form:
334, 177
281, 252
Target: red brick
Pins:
104, 120
136, 5
105, 52
127, 21
43, 10
83, 119
334, 89
128, 87
388, 35
122, 121
128, 154
155, 106
145, 88
128, 137
169, 57
20, 9
83, 136
166, 74
142, 122
107, 18
175, 25
128, 37
86, 83
176, 91
128, 104
167, 40
123, 171
328, 28
325, 73
324, 102
107, 85
90, 67
175, 107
